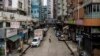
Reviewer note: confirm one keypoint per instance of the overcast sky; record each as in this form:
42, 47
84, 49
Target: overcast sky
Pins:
45, 2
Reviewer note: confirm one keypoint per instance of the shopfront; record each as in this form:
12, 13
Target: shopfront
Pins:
13, 39
13, 43
71, 30
90, 44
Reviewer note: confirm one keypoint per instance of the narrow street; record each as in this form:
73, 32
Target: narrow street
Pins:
53, 48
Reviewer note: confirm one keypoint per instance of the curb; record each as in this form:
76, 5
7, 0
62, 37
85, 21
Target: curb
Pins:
24, 51
72, 53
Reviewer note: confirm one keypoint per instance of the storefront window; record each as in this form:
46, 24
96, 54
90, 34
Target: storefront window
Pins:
95, 30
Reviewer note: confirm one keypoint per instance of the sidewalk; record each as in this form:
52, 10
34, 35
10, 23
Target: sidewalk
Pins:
73, 47
25, 47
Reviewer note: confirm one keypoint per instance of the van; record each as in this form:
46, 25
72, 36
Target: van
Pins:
36, 42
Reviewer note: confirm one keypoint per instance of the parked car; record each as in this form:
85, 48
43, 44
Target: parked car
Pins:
58, 34
36, 42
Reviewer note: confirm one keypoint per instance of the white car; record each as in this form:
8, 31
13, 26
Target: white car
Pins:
45, 29
36, 42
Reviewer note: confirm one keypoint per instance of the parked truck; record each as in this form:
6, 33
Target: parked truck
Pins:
38, 37
39, 33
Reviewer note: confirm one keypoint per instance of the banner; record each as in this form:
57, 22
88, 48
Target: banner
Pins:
15, 24
11, 32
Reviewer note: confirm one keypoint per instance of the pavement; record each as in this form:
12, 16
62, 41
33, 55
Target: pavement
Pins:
47, 48
73, 47
25, 46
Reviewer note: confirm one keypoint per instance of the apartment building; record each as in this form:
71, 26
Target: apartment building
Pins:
1, 4
13, 13
84, 23
36, 9
16, 6
50, 9
28, 7
44, 12
62, 9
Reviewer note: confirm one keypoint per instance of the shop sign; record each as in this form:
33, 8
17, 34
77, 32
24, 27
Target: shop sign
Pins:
79, 22
11, 32
71, 21
15, 24
2, 33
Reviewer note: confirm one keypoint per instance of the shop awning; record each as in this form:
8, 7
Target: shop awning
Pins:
66, 27
14, 38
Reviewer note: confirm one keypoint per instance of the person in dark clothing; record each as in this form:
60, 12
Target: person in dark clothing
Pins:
29, 32
49, 40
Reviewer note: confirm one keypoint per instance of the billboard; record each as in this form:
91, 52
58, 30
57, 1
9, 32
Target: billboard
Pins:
11, 32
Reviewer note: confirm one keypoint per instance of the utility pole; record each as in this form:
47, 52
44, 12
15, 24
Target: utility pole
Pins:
4, 26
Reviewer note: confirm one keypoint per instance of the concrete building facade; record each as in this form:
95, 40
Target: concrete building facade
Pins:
44, 12
50, 8
17, 6
61, 9
84, 22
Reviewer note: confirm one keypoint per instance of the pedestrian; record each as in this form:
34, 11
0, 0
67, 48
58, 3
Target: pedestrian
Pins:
49, 40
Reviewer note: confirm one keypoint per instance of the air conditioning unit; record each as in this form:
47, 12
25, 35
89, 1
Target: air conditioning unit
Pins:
11, 16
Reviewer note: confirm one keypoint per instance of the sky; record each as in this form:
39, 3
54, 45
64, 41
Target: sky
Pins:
45, 2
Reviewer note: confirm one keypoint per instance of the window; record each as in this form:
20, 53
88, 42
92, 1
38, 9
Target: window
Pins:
28, 9
20, 5
98, 8
35, 11
92, 8
1, 24
0, 0
10, 2
8, 24
28, 2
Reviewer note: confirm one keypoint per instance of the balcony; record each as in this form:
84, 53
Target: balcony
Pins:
93, 1
13, 17
93, 15
84, 4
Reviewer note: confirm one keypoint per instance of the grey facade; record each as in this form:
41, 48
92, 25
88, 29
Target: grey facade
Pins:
44, 12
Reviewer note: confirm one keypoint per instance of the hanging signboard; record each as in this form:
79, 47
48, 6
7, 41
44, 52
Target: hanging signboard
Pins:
15, 24
11, 32
71, 21
79, 22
